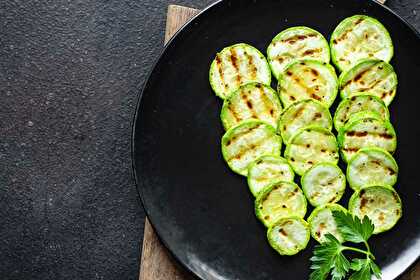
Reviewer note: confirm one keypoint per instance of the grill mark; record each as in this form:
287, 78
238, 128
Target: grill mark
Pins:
311, 52
294, 39
266, 101
314, 96
361, 134
314, 72
350, 149
346, 84
363, 203
299, 112
219, 69
344, 35
288, 73
381, 217
234, 61
316, 116
360, 75
391, 171
249, 105
251, 66
386, 135
395, 196
250, 147
283, 232
332, 200
358, 21
244, 133
234, 113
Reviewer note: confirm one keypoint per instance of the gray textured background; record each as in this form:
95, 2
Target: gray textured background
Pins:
70, 72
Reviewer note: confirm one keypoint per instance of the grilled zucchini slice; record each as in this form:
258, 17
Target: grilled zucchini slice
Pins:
244, 143
359, 37
237, 65
374, 76
307, 79
296, 43
321, 221
278, 200
372, 166
356, 104
381, 204
266, 170
310, 146
364, 133
251, 101
301, 114
323, 183
289, 235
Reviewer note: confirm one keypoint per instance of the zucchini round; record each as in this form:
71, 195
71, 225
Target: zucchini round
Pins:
266, 170
366, 132
359, 37
237, 65
244, 143
289, 235
356, 104
278, 200
301, 114
381, 204
374, 76
323, 183
310, 146
296, 43
372, 166
321, 221
251, 101
307, 79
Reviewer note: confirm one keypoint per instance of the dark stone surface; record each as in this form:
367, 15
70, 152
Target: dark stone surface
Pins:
70, 72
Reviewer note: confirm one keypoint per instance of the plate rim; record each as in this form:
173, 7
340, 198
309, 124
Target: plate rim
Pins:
135, 118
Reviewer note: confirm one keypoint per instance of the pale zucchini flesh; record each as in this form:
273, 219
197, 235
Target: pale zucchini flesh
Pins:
321, 221
364, 133
323, 183
278, 200
289, 235
296, 43
310, 146
266, 170
237, 65
371, 166
356, 104
308, 79
373, 76
246, 142
381, 204
360, 37
251, 101
301, 114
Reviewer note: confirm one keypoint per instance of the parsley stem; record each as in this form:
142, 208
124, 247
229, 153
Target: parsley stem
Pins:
367, 253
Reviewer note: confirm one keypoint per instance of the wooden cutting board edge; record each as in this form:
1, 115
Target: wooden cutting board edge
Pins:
156, 262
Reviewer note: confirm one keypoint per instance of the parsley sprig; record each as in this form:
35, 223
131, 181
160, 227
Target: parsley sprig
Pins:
328, 257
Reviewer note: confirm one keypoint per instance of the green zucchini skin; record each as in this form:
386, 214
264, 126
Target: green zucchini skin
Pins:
301, 114
309, 146
296, 43
381, 204
364, 133
371, 166
321, 222
266, 170
356, 104
308, 79
374, 76
288, 236
360, 37
244, 143
237, 65
251, 101
323, 183
278, 200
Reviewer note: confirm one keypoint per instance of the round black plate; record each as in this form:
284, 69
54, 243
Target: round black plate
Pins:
201, 210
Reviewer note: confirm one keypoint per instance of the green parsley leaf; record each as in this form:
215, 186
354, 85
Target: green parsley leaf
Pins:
375, 269
363, 273
357, 264
327, 256
351, 228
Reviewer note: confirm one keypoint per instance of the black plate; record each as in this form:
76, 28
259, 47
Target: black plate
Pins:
201, 210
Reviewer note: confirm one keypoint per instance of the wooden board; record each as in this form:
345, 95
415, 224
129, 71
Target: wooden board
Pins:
156, 262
